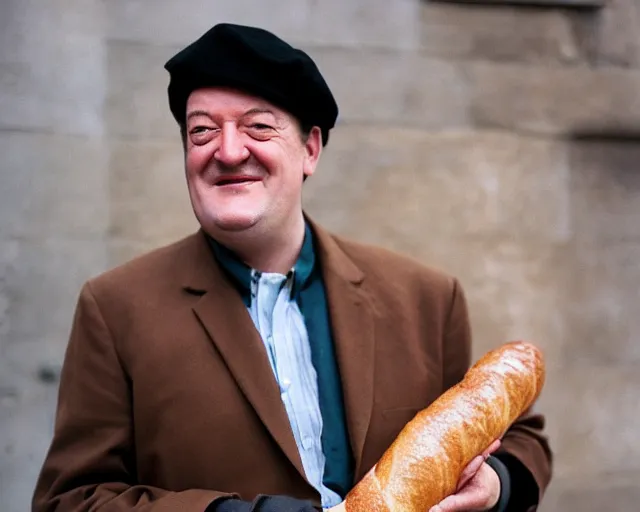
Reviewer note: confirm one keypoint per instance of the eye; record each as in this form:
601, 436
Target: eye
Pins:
199, 129
201, 134
260, 131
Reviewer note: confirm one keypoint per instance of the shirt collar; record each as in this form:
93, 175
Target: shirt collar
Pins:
240, 273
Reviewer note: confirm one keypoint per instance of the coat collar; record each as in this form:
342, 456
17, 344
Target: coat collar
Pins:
225, 318
202, 274
241, 273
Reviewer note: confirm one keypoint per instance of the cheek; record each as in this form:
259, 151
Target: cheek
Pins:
284, 165
197, 159
264, 156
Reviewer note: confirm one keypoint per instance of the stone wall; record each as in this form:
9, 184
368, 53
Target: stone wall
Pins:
501, 144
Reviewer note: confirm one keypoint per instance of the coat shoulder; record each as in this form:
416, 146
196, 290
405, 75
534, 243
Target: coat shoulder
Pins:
149, 270
391, 267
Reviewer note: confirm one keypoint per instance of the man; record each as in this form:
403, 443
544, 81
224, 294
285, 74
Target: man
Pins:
262, 363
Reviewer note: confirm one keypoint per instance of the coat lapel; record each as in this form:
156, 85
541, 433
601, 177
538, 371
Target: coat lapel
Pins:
228, 324
352, 321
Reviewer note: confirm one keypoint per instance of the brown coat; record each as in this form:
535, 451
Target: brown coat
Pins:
167, 399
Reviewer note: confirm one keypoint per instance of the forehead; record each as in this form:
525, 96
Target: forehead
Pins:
219, 100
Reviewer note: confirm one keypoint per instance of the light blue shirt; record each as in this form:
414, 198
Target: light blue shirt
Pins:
277, 317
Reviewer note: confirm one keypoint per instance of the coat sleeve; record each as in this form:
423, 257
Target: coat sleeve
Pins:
525, 449
90, 465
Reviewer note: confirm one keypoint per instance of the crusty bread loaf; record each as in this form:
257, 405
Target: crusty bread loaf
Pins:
424, 463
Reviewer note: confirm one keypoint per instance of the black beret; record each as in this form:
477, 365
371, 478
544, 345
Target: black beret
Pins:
257, 62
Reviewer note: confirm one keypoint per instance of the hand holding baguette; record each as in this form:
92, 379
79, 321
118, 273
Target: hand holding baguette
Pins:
425, 462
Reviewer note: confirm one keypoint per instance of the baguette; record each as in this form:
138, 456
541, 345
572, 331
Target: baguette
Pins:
424, 463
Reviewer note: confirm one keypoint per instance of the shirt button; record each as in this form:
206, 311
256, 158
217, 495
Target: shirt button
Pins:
286, 383
307, 442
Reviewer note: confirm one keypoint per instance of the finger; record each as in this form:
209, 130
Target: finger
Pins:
449, 504
461, 501
474, 466
491, 448
471, 469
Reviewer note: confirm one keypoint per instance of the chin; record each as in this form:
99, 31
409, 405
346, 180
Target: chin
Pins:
233, 221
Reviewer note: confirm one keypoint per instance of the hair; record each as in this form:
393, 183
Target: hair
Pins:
183, 136
305, 132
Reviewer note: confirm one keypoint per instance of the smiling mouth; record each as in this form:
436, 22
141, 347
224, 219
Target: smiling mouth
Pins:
236, 180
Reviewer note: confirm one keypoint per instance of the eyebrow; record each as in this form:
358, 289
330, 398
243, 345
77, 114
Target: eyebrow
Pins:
195, 113
258, 110
250, 112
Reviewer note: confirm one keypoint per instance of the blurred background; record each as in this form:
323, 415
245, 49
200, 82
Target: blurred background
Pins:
500, 143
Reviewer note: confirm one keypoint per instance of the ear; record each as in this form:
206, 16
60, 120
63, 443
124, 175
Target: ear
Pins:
312, 151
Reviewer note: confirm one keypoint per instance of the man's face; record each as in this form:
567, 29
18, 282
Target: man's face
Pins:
245, 161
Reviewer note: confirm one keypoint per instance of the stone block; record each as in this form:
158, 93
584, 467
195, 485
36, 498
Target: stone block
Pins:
555, 100
605, 193
120, 250
611, 35
165, 22
148, 193
52, 184
26, 427
498, 33
354, 159
41, 283
371, 86
600, 303
29, 22
603, 278
418, 186
617, 491
8, 258
136, 104
515, 290
52, 74
26, 423
327, 23
364, 24
592, 415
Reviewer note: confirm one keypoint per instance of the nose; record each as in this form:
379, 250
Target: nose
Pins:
232, 150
